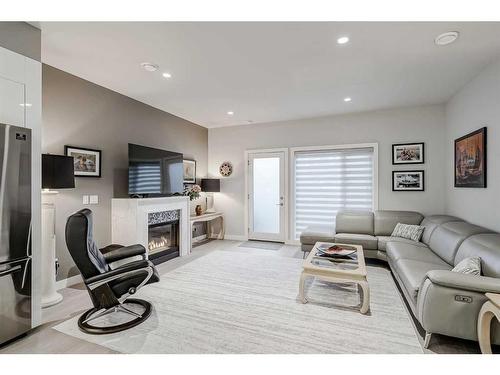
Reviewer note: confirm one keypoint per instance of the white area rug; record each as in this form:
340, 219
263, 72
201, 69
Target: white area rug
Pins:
246, 303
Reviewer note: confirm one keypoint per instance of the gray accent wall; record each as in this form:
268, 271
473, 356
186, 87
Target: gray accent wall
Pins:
476, 105
415, 124
79, 113
22, 38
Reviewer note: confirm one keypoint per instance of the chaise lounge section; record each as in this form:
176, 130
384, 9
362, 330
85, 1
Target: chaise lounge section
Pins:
442, 301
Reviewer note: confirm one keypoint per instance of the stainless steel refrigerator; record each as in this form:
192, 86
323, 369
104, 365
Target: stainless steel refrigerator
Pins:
15, 231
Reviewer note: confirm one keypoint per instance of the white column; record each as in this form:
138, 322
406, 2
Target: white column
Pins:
50, 296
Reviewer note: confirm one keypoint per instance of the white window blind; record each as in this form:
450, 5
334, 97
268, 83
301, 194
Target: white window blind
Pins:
327, 181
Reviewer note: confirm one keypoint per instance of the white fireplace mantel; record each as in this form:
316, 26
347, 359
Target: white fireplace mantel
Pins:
130, 219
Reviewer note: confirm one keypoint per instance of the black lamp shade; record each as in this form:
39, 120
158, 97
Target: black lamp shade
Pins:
57, 172
210, 185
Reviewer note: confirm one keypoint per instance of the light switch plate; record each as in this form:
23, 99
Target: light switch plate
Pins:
94, 199
85, 199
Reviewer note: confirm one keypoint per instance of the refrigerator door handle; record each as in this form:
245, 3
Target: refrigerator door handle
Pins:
25, 272
10, 270
28, 242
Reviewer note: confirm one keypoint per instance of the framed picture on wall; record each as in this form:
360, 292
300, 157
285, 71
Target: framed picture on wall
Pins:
86, 161
470, 160
189, 171
408, 180
408, 153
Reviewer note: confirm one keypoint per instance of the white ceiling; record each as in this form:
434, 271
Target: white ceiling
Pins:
272, 71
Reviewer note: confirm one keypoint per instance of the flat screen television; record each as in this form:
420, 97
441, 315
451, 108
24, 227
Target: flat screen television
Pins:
153, 172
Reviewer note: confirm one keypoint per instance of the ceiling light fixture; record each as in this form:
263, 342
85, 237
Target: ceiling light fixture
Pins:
230, 113
348, 99
167, 75
149, 67
446, 38
343, 40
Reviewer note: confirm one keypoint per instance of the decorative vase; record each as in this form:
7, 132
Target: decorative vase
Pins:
198, 210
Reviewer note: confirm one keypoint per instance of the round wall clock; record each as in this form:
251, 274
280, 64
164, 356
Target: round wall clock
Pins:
226, 169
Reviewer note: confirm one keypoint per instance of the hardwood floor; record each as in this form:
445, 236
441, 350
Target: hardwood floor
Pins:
44, 339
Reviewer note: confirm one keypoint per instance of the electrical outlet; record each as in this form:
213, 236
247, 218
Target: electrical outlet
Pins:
94, 199
85, 199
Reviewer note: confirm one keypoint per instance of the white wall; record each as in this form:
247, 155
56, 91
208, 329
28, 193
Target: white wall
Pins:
418, 124
474, 106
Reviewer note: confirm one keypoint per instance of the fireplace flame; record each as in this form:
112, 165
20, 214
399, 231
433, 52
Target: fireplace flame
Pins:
158, 243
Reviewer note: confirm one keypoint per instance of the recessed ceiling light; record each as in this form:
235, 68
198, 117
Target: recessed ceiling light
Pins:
230, 113
167, 75
343, 40
149, 67
347, 99
446, 38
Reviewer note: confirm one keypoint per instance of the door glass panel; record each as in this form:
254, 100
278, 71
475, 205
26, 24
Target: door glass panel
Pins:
266, 194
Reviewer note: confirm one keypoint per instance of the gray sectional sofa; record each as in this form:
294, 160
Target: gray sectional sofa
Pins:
443, 301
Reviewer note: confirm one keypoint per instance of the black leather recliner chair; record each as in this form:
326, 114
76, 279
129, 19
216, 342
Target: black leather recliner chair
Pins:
109, 289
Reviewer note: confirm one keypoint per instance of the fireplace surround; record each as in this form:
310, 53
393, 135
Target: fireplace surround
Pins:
161, 225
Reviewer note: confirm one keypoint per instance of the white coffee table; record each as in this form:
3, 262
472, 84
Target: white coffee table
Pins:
489, 310
340, 270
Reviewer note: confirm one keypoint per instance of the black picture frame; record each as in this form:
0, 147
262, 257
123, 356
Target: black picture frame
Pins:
482, 181
69, 150
420, 188
187, 179
422, 152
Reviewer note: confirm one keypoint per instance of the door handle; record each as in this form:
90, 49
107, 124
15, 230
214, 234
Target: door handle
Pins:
279, 204
10, 270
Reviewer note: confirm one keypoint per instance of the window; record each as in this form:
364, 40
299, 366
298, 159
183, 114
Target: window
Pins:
327, 181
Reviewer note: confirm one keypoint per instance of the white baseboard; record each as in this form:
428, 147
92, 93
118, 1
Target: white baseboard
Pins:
61, 284
235, 237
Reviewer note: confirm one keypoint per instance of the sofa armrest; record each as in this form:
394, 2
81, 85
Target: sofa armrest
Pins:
462, 281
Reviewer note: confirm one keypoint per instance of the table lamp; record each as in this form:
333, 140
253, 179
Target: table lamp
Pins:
210, 185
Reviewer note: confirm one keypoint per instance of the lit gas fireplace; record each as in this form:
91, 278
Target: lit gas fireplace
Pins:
163, 236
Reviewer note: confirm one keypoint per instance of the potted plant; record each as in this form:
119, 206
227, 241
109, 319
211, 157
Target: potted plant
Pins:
193, 192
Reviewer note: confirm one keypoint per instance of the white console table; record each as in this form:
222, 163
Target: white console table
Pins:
208, 218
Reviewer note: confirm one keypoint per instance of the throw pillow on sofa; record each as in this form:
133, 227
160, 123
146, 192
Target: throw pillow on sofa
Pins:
470, 266
411, 232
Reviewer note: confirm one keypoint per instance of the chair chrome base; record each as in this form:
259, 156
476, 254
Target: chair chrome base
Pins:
89, 315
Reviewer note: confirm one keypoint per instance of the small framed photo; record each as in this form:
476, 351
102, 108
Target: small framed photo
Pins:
470, 160
87, 162
408, 180
189, 171
408, 153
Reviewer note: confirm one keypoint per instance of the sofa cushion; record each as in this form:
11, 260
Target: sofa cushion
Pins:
412, 273
448, 237
314, 234
412, 251
359, 222
469, 266
432, 222
412, 232
365, 240
383, 240
385, 221
485, 246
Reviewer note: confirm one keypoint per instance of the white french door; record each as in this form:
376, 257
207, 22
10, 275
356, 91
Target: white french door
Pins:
267, 195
